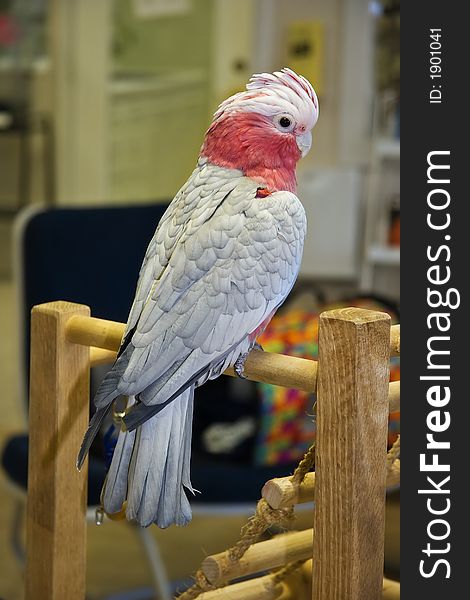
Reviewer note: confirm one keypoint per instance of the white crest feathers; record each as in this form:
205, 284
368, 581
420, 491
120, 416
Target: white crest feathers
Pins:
272, 93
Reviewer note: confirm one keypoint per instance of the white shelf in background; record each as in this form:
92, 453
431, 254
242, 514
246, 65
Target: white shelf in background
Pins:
387, 148
384, 255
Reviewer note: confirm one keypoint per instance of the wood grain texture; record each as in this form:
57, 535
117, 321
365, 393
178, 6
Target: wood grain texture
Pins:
280, 369
350, 478
395, 340
394, 396
99, 356
270, 554
57, 492
261, 588
90, 331
282, 491
390, 588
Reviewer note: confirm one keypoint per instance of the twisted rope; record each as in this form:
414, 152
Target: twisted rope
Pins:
304, 466
264, 517
393, 464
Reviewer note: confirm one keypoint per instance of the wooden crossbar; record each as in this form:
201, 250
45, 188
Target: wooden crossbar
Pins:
262, 556
268, 588
282, 492
104, 338
260, 588
101, 333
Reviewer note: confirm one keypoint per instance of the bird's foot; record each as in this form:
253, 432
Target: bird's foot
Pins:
239, 366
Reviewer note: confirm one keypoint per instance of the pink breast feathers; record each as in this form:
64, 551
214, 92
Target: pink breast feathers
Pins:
260, 329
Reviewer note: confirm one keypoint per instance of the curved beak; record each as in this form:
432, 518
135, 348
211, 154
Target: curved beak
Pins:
304, 142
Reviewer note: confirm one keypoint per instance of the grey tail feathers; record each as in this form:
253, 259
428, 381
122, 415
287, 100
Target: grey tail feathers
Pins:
92, 431
150, 467
106, 394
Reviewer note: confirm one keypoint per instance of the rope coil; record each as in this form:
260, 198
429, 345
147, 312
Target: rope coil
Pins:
264, 517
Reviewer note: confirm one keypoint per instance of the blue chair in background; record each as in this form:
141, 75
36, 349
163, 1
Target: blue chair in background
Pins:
93, 256
90, 256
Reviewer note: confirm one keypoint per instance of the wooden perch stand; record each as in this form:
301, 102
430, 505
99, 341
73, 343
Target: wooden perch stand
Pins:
354, 398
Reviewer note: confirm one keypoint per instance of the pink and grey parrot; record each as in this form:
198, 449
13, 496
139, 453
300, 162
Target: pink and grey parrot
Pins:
223, 258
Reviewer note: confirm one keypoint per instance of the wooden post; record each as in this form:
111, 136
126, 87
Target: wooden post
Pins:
350, 471
57, 492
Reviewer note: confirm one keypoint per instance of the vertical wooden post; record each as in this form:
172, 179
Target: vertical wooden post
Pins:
350, 471
57, 492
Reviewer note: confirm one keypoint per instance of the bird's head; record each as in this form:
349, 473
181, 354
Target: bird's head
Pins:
266, 129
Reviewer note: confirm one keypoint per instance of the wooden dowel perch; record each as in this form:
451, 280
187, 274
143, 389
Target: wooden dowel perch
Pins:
394, 396
271, 371
282, 492
90, 331
268, 588
278, 551
391, 590
260, 588
395, 340
100, 356
104, 338
280, 369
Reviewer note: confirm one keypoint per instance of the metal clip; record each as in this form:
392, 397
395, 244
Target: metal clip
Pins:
99, 515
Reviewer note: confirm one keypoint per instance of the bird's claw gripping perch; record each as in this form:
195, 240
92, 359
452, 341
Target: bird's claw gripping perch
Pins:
239, 365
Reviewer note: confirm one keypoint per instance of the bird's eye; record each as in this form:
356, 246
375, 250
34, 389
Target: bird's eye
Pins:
284, 123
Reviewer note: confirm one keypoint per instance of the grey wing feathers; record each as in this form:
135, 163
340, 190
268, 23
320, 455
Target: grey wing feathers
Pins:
219, 264
107, 392
184, 215
144, 411
225, 278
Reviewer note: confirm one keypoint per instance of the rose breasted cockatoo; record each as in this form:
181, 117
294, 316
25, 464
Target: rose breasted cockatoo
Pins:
223, 258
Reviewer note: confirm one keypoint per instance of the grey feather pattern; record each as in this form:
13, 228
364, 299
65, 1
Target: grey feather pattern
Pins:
107, 392
220, 263
158, 469
115, 489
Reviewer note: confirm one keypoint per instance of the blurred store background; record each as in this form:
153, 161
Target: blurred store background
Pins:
105, 103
